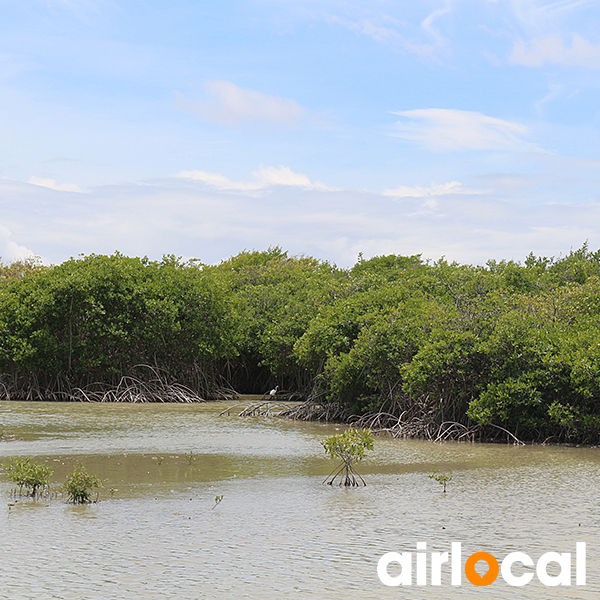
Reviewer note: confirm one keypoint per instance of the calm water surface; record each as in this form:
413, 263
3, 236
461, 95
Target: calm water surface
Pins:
278, 532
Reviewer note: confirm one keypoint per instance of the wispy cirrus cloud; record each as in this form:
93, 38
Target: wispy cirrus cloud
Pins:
228, 104
448, 129
11, 65
427, 24
541, 13
551, 50
422, 39
386, 34
263, 178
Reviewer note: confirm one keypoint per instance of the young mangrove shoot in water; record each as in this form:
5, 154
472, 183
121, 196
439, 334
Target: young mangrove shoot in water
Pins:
80, 485
349, 447
218, 500
29, 475
442, 478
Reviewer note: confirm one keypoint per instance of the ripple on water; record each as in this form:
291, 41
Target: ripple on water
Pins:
278, 531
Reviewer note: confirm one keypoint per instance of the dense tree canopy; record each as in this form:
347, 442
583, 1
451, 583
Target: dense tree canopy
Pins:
505, 344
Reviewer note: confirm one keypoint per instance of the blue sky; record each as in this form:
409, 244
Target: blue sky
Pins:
463, 128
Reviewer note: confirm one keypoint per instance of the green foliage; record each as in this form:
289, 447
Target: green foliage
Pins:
276, 297
448, 365
442, 478
80, 485
19, 269
27, 474
96, 317
512, 400
380, 269
218, 500
504, 345
349, 447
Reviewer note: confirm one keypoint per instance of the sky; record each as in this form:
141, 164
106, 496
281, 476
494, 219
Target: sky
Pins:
468, 129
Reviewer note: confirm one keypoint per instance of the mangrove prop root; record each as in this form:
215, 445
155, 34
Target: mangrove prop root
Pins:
400, 418
348, 476
314, 410
152, 388
266, 408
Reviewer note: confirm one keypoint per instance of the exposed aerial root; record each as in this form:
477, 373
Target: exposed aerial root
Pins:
404, 418
155, 388
262, 408
315, 410
348, 476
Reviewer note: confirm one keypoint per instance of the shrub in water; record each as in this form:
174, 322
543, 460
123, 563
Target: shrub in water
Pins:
29, 475
80, 485
350, 447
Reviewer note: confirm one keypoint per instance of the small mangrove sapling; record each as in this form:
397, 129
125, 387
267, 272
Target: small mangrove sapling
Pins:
80, 485
442, 478
29, 475
349, 447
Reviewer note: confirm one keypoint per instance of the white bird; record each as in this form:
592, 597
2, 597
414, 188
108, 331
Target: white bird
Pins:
273, 391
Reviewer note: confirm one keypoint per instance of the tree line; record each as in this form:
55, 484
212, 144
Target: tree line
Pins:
502, 346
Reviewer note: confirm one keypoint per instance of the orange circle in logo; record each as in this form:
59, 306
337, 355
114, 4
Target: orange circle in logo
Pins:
473, 576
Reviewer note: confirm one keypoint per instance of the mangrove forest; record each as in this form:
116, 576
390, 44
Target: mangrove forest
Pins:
397, 343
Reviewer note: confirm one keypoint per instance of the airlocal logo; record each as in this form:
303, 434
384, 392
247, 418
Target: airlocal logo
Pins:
405, 560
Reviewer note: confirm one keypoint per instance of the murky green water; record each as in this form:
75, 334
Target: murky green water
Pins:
278, 532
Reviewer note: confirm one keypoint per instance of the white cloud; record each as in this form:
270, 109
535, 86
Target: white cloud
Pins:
263, 178
283, 176
267, 177
9, 249
539, 13
427, 23
170, 216
435, 189
230, 104
423, 39
11, 65
555, 91
551, 50
218, 180
59, 187
445, 129
384, 34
